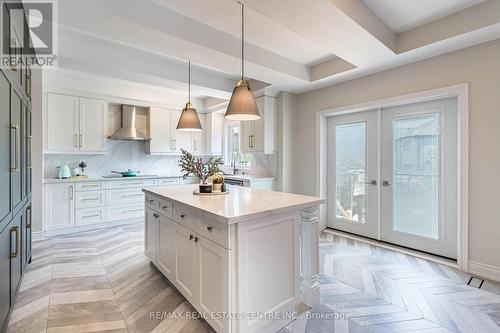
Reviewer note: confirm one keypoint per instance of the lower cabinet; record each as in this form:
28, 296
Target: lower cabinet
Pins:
59, 205
15, 252
197, 266
185, 262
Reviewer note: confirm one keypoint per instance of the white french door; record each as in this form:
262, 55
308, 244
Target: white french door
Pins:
409, 154
353, 173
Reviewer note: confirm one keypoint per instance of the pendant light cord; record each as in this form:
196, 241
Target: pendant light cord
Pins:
242, 39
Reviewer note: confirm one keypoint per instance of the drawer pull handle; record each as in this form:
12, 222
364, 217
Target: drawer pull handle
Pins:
131, 211
210, 228
191, 237
165, 207
196, 239
137, 183
91, 186
91, 199
90, 216
132, 195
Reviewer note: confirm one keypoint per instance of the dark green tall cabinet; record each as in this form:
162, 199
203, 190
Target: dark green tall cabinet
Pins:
15, 177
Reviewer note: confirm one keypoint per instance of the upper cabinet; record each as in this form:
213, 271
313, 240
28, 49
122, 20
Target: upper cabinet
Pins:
258, 136
214, 129
166, 139
75, 124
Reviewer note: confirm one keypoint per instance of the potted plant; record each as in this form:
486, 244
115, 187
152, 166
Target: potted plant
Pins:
217, 181
195, 166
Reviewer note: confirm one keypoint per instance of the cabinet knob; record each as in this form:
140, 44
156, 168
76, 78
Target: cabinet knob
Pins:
191, 237
156, 215
210, 228
196, 239
165, 207
182, 216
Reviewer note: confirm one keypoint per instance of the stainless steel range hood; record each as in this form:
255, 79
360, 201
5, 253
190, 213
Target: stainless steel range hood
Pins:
128, 131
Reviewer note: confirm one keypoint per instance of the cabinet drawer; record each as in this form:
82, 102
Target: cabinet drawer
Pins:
90, 186
125, 212
90, 199
185, 216
130, 183
90, 215
165, 208
152, 202
168, 181
215, 231
118, 197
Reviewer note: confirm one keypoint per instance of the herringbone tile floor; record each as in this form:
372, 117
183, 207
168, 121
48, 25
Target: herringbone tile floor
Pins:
100, 281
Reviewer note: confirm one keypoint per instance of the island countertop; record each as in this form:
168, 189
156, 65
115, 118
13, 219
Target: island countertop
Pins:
241, 204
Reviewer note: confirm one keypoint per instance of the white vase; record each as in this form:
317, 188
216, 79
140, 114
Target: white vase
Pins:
216, 187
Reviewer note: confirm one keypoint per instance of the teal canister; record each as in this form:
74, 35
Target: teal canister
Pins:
64, 172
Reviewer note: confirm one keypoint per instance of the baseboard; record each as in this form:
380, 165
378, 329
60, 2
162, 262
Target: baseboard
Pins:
484, 270
37, 235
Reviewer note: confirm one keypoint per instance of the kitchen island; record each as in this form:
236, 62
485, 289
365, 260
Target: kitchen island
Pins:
244, 260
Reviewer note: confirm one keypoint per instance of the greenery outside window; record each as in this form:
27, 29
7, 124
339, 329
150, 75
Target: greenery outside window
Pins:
233, 154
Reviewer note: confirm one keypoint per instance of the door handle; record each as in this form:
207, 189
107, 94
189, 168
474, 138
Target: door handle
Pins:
76, 141
81, 140
16, 230
28, 144
28, 225
386, 183
15, 128
71, 192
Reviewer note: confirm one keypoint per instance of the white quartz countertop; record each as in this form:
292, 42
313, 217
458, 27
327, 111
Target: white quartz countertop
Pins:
101, 178
241, 204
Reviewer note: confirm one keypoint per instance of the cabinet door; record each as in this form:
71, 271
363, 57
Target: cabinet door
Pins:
212, 277
160, 131
258, 137
93, 114
182, 139
166, 246
15, 231
5, 143
5, 236
199, 137
16, 109
185, 262
60, 205
246, 128
27, 152
62, 123
151, 235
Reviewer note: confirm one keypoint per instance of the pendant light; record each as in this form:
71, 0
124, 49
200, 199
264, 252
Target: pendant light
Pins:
189, 121
242, 105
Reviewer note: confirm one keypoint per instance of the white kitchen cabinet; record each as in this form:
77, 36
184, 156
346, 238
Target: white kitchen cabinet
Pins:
63, 123
258, 136
185, 262
166, 246
93, 115
199, 137
214, 124
75, 124
59, 205
151, 225
165, 138
212, 277
160, 131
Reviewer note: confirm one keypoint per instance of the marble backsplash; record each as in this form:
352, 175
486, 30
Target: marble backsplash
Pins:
124, 155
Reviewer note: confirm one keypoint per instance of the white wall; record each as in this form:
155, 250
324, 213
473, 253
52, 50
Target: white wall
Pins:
480, 67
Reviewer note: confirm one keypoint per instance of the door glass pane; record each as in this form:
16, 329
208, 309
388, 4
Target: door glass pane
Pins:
416, 175
350, 168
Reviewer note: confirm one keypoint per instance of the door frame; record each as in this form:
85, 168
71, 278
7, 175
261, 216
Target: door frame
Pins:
461, 92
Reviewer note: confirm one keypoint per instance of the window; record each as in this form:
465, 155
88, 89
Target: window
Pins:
232, 153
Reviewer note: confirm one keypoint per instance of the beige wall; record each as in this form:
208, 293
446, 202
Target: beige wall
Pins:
480, 67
